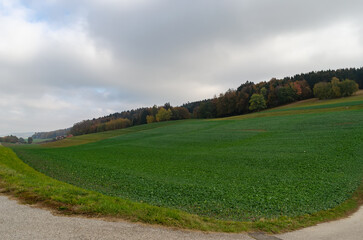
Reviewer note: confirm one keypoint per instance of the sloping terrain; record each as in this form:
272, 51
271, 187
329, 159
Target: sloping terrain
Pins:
290, 161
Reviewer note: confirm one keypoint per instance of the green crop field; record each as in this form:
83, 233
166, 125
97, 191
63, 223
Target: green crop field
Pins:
239, 168
41, 140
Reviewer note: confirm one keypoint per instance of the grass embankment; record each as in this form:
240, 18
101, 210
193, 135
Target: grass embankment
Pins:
270, 173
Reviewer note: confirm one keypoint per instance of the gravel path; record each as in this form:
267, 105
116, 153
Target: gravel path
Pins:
350, 228
23, 222
20, 222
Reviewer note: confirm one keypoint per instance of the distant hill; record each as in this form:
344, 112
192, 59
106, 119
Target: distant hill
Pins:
19, 135
51, 134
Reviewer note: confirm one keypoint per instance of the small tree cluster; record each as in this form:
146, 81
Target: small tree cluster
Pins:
9, 139
335, 89
167, 113
257, 102
114, 124
163, 115
93, 126
150, 119
14, 139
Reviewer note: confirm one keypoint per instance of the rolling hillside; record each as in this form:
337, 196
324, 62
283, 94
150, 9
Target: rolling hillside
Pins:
293, 160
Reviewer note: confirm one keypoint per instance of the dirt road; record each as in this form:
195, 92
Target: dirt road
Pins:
350, 228
22, 222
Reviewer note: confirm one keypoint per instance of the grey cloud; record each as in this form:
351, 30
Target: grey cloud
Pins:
120, 56
182, 35
169, 28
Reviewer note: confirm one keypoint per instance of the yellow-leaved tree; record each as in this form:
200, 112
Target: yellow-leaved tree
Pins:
163, 115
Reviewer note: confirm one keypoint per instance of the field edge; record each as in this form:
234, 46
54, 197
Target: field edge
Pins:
31, 187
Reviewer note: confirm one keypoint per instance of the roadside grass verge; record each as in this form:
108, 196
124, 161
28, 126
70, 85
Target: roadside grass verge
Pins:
30, 186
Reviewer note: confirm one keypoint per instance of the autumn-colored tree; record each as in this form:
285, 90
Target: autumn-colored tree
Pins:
180, 113
150, 119
335, 82
163, 115
297, 87
305, 90
226, 104
242, 102
117, 124
257, 102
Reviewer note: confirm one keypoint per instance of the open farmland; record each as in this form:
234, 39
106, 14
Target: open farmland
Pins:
263, 165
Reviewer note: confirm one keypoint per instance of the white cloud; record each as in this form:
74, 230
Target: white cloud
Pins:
20, 40
48, 102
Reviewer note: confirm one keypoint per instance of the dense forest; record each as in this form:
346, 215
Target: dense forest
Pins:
248, 97
276, 92
130, 118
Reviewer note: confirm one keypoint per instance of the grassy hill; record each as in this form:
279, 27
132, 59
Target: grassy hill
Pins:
299, 159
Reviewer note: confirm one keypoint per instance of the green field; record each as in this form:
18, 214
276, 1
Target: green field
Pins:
263, 165
41, 140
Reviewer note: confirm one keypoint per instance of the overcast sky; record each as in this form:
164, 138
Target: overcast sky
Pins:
63, 61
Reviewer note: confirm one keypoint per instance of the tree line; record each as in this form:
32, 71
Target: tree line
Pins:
248, 97
275, 92
15, 139
130, 118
